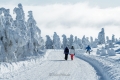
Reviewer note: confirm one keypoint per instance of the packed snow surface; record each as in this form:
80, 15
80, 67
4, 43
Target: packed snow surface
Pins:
52, 66
55, 68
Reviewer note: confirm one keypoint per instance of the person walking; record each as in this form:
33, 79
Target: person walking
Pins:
88, 48
66, 52
72, 52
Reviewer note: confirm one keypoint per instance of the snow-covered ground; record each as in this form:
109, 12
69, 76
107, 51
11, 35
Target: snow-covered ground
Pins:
107, 66
53, 67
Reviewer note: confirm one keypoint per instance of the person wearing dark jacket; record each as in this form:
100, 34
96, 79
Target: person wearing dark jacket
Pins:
88, 49
66, 52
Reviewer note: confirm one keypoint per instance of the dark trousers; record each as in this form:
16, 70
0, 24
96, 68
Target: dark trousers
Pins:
66, 56
88, 51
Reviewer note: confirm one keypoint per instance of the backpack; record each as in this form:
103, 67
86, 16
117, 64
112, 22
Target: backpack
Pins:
66, 50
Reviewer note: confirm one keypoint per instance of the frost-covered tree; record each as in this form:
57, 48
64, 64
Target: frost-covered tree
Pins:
2, 37
113, 38
75, 43
18, 38
116, 40
35, 40
56, 41
65, 42
19, 12
49, 43
91, 39
85, 41
107, 39
93, 44
101, 37
80, 43
70, 41
110, 44
8, 39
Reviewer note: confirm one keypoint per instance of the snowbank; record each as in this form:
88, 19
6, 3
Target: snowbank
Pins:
109, 69
22, 65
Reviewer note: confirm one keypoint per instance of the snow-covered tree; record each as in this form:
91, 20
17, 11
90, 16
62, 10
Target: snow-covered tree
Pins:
49, 43
2, 37
70, 41
116, 40
101, 37
18, 38
56, 41
94, 43
65, 42
107, 39
19, 12
113, 38
110, 44
91, 39
85, 41
80, 43
75, 43
36, 39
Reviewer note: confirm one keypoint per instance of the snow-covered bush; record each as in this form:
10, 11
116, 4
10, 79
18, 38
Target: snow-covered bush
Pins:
106, 46
111, 52
98, 52
103, 52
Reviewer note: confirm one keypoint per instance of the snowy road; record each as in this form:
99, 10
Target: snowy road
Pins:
56, 68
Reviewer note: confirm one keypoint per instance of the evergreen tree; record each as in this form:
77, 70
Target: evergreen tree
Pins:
56, 41
18, 38
70, 41
101, 37
113, 38
49, 42
64, 41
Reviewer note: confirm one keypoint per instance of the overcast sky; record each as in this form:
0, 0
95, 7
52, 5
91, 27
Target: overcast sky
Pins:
77, 17
101, 3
